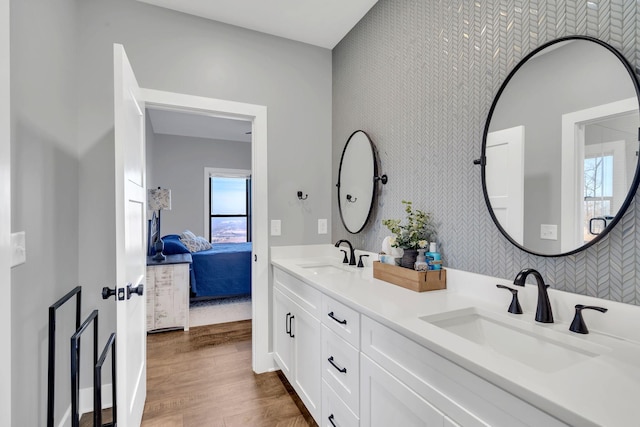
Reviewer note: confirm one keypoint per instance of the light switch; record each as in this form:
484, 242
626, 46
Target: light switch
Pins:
322, 226
18, 248
276, 229
549, 231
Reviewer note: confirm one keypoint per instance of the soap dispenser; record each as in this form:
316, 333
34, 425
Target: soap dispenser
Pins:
433, 258
421, 261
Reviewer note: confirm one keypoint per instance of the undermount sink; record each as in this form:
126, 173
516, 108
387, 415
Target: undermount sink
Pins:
536, 346
322, 268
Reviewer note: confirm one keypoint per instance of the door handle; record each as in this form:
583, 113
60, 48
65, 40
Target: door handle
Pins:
137, 290
331, 417
107, 293
290, 327
341, 370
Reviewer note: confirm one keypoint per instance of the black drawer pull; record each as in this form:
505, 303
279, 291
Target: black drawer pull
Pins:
342, 322
343, 370
331, 420
287, 325
290, 328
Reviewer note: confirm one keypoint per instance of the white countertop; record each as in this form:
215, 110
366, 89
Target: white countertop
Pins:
602, 390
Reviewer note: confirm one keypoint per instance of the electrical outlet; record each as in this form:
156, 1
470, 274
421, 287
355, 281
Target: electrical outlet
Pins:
322, 226
276, 227
549, 231
18, 248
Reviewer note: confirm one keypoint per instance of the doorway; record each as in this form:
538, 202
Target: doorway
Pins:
262, 360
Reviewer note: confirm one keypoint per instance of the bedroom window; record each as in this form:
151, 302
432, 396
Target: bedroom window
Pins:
229, 208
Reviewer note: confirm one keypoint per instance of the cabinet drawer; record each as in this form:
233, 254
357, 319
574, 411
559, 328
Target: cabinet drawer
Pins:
388, 402
342, 320
341, 368
335, 411
462, 396
302, 294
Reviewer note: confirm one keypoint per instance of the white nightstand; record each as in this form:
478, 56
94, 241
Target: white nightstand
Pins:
168, 293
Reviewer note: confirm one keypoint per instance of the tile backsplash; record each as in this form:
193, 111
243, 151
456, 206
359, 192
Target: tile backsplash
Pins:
419, 76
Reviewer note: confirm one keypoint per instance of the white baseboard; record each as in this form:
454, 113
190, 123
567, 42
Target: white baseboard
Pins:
66, 418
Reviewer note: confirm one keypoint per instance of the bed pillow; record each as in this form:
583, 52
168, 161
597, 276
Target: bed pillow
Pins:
187, 235
196, 245
172, 246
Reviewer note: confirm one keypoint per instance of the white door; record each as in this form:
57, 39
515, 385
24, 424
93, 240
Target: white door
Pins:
505, 179
282, 340
130, 242
5, 220
307, 364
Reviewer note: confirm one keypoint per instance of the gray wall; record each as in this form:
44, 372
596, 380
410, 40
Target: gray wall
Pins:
63, 151
180, 53
420, 77
179, 163
44, 202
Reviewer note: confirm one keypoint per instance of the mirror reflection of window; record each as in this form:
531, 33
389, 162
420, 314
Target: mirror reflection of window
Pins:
598, 193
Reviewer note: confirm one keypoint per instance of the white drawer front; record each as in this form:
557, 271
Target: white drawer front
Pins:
465, 398
334, 411
302, 294
342, 320
341, 368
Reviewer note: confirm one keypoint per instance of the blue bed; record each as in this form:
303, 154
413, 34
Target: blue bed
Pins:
222, 271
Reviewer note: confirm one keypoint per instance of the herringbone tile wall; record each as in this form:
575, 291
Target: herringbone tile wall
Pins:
419, 76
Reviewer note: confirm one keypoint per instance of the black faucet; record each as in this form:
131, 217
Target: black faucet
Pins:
543, 312
352, 257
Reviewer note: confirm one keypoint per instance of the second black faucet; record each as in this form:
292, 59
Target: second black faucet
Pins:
352, 251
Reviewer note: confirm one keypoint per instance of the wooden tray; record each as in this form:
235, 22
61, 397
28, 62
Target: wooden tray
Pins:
419, 281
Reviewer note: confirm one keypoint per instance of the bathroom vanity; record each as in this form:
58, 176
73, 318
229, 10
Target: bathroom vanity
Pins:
360, 351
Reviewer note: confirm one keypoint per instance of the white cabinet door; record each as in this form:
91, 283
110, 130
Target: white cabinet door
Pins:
306, 348
282, 340
385, 401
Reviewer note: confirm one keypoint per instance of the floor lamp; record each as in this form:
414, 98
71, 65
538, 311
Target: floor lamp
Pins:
159, 200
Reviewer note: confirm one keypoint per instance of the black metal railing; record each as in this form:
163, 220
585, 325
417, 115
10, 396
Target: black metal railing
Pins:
110, 347
75, 364
97, 384
77, 292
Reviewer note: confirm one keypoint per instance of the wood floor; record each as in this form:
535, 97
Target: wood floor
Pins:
203, 377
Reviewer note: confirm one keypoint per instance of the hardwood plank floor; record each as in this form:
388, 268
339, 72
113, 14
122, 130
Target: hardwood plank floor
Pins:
203, 377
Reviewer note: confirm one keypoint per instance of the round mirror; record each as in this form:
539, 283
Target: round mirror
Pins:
357, 177
560, 147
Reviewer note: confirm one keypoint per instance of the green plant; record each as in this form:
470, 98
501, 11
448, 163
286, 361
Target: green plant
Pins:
416, 233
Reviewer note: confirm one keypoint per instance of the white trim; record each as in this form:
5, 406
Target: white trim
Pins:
208, 173
257, 114
5, 217
66, 418
572, 154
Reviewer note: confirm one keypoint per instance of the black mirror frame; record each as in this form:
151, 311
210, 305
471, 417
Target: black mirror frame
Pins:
482, 161
374, 179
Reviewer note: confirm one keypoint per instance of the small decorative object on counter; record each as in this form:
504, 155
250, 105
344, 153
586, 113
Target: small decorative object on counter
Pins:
434, 260
413, 235
421, 261
419, 281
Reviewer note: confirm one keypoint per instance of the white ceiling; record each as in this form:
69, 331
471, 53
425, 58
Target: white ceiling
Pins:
318, 22
199, 125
